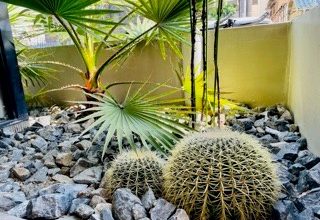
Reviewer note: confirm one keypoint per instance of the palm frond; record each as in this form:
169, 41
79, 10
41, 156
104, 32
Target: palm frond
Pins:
172, 19
142, 115
80, 12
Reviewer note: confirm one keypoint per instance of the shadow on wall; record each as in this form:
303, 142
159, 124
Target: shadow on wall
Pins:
2, 111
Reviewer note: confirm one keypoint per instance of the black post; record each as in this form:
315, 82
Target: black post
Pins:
10, 79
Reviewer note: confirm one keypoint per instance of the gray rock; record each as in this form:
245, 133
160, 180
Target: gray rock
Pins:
73, 128
84, 145
138, 211
95, 217
84, 211
106, 214
122, 204
39, 177
276, 147
49, 161
283, 208
309, 199
62, 178
53, 171
89, 176
76, 202
4, 147
96, 200
308, 180
22, 210
180, 215
308, 159
102, 206
8, 200
289, 152
80, 166
162, 210
67, 189
260, 123
19, 137
21, 173
16, 155
4, 172
148, 199
296, 168
64, 159
51, 206
39, 144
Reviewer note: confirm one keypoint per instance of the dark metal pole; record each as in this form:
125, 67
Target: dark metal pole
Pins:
10, 79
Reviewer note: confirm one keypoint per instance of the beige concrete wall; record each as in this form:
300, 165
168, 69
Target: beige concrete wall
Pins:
145, 64
253, 63
304, 90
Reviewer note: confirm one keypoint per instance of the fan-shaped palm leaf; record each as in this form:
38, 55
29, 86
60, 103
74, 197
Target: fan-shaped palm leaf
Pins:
142, 114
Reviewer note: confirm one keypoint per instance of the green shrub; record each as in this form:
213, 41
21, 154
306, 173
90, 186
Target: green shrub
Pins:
137, 170
221, 174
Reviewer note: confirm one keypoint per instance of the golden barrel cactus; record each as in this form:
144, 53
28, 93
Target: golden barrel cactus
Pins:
137, 170
221, 174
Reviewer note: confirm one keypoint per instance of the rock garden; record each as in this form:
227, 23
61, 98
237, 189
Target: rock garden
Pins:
49, 171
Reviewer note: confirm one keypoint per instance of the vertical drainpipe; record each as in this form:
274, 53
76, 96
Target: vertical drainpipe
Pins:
10, 79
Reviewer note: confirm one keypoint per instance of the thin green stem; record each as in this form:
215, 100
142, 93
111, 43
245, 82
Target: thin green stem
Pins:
74, 39
120, 51
99, 48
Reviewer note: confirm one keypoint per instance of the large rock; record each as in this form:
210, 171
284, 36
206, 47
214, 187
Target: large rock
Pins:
8, 200
123, 203
162, 210
89, 176
51, 206
22, 210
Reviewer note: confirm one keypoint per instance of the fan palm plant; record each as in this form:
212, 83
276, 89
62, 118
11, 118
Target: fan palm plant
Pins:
87, 24
147, 114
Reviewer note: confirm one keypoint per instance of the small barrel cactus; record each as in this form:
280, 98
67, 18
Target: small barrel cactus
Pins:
221, 174
137, 170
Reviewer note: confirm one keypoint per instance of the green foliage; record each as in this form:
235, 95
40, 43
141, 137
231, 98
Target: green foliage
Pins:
220, 174
149, 115
89, 22
136, 170
228, 9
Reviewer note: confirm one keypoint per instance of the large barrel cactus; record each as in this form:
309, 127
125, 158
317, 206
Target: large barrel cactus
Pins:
137, 170
221, 174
